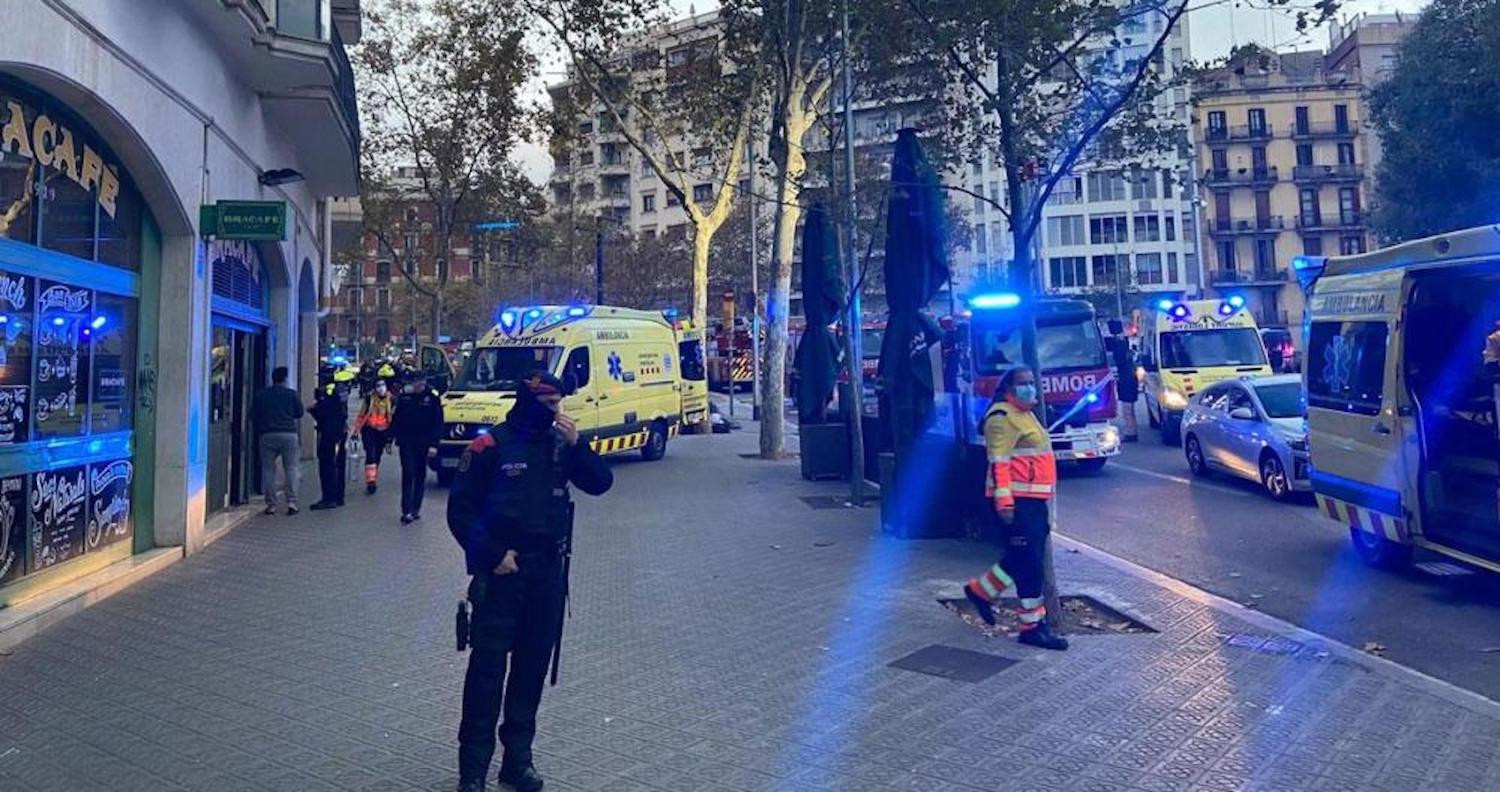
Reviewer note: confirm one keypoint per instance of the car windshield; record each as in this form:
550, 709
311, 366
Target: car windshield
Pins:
1282, 399
502, 368
1238, 346
1059, 346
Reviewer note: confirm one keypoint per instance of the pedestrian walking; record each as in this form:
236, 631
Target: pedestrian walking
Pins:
416, 427
1127, 387
510, 510
330, 414
1022, 479
374, 429
275, 413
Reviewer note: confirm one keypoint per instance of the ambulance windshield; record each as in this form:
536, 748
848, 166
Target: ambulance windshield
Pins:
501, 368
1231, 346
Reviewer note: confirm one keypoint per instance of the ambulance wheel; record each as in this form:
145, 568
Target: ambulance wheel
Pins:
1171, 430
656, 442
445, 477
1378, 551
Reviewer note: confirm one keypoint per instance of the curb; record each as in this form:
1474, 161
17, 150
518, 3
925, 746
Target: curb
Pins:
1447, 691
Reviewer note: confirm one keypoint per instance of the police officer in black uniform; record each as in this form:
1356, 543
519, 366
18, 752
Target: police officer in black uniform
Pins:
330, 414
510, 510
417, 427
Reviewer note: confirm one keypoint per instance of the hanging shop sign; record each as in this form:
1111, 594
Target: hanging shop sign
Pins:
260, 221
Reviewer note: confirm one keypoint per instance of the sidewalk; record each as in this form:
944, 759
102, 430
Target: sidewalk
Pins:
727, 635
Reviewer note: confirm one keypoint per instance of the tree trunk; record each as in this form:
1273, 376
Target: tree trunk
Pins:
793, 165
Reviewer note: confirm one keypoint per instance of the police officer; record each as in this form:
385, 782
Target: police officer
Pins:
1022, 479
510, 510
416, 426
330, 414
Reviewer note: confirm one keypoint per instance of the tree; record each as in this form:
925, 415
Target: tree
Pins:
798, 45
1437, 116
685, 115
441, 99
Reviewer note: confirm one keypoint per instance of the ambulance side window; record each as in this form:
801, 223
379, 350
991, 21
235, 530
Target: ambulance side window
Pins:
1346, 366
578, 367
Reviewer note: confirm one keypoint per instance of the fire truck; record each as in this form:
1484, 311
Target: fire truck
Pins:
1076, 379
730, 365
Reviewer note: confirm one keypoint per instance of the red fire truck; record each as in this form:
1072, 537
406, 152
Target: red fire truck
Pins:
1077, 381
730, 362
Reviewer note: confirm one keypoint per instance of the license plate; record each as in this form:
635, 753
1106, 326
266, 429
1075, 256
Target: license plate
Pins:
449, 462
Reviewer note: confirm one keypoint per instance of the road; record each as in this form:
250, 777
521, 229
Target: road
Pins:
1287, 560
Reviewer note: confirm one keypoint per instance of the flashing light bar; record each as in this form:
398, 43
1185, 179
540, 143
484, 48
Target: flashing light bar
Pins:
1237, 301
577, 311
99, 322
1164, 305
1000, 300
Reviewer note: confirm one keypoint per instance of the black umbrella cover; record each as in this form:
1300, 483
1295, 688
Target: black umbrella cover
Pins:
822, 299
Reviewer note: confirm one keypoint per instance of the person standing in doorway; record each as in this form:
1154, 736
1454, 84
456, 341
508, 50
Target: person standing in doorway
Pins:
374, 429
1022, 478
416, 427
331, 419
275, 413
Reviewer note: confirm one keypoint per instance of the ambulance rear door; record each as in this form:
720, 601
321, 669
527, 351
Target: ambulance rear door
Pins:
1355, 431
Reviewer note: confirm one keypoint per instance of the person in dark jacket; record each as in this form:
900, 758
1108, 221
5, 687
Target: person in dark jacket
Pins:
275, 413
330, 414
511, 512
416, 426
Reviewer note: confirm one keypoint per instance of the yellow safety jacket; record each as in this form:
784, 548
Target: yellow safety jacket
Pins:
1021, 464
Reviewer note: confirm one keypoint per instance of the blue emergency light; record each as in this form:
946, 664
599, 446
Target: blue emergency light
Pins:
507, 320
1237, 301
99, 322
999, 300
58, 321
577, 311
1164, 305
534, 314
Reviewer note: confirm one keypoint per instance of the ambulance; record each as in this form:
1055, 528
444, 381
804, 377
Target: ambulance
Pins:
1191, 344
692, 352
623, 364
1401, 396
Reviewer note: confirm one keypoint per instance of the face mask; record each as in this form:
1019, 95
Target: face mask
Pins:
530, 413
1026, 394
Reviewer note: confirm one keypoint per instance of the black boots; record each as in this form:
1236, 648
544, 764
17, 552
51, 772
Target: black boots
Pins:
1042, 637
982, 605
521, 779
472, 785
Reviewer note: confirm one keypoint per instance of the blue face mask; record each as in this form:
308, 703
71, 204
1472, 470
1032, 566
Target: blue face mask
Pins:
1026, 394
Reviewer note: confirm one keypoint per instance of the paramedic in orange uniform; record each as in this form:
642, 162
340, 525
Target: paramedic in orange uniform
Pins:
1021, 479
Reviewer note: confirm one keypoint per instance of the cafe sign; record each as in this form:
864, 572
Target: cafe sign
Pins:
50, 143
261, 221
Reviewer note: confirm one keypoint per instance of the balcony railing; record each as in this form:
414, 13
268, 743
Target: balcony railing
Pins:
344, 84
1245, 176
1322, 130
1248, 277
1315, 173
1271, 224
1320, 223
1240, 133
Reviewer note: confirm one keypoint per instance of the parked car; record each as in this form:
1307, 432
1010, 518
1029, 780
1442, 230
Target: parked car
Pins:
1251, 428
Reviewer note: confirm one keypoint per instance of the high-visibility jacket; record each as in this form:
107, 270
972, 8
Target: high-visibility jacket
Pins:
377, 413
1021, 464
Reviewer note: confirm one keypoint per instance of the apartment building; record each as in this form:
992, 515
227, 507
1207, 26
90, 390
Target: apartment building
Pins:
1365, 48
1129, 231
1280, 142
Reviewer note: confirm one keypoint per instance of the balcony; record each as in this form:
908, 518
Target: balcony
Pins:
1243, 177
615, 198
1327, 173
1348, 221
619, 166
1325, 129
292, 53
1221, 134
1272, 224
1259, 276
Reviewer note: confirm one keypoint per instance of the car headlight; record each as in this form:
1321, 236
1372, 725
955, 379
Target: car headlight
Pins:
1173, 400
1110, 437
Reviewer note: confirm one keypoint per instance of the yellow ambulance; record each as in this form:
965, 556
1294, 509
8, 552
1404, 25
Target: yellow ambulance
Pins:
1191, 344
692, 354
1402, 373
624, 365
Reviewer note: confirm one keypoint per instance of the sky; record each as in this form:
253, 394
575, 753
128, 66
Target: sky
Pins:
1214, 27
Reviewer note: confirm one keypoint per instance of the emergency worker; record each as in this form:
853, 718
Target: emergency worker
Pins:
374, 429
511, 512
417, 427
330, 414
1022, 479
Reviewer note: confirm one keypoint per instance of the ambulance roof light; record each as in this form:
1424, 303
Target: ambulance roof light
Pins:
1164, 305
1237, 301
577, 311
534, 313
507, 320
997, 300
1179, 311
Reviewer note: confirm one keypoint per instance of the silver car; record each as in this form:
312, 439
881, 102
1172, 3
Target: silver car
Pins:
1251, 428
